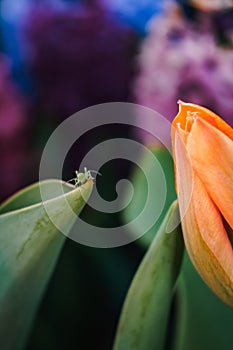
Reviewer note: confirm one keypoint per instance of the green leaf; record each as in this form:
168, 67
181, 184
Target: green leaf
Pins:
29, 247
140, 191
145, 313
203, 321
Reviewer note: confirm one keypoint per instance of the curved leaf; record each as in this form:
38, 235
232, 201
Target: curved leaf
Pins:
29, 248
145, 313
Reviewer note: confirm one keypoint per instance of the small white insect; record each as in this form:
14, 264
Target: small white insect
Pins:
82, 178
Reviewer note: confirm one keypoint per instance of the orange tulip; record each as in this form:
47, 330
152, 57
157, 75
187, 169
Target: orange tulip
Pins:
203, 154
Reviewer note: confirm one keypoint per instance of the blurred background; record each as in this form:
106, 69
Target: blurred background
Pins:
60, 56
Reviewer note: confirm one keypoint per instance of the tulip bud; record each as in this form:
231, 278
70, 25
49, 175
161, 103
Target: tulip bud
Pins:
203, 154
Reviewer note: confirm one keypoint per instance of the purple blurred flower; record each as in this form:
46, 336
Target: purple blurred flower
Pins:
181, 60
13, 126
79, 55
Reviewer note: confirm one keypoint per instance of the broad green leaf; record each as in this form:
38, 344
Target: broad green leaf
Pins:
144, 318
203, 321
140, 191
29, 247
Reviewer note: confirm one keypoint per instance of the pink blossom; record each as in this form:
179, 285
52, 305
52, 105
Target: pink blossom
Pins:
181, 60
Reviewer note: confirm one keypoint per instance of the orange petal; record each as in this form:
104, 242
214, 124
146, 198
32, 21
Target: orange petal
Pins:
211, 154
203, 113
205, 237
